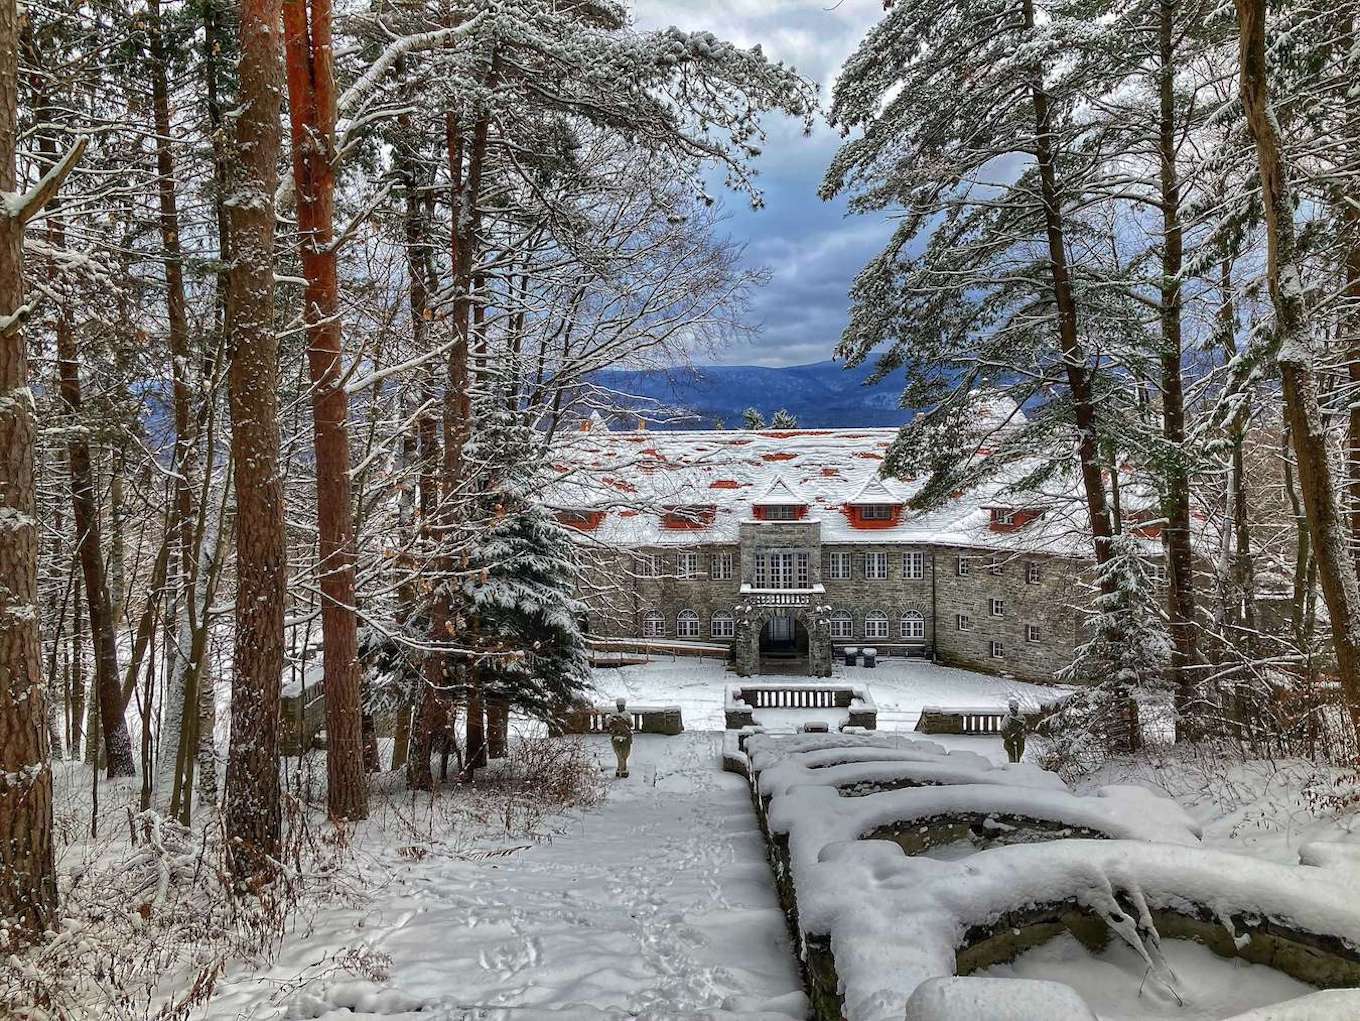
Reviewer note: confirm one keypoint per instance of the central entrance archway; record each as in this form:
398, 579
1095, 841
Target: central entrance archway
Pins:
783, 637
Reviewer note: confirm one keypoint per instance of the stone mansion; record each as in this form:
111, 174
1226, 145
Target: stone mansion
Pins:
787, 546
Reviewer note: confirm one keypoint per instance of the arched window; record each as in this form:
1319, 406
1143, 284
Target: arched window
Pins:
654, 624
687, 624
842, 625
875, 624
912, 626
722, 625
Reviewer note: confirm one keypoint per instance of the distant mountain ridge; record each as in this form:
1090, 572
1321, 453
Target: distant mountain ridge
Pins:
821, 395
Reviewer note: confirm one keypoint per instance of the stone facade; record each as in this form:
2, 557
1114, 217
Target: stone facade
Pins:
1037, 626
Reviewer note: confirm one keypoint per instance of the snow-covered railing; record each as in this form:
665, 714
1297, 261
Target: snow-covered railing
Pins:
603, 647
594, 719
742, 700
972, 720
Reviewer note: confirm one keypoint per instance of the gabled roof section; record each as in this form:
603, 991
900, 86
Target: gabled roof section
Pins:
872, 493
780, 494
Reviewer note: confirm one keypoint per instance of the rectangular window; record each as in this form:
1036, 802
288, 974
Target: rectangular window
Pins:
782, 570
996, 564
720, 567
647, 565
1031, 632
876, 566
654, 626
723, 625
779, 512
842, 625
1033, 573
998, 607
876, 626
913, 564
963, 566
876, 512
998, 650
687, 624
687, 565
1003, 517
965, 622
837, 566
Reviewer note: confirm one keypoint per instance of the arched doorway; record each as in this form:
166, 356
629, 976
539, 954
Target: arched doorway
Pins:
783, 637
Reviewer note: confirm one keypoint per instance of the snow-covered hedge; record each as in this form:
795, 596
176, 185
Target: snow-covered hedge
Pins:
893, 921
874, 923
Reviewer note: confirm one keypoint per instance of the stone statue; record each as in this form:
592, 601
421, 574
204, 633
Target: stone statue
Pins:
621, 736
1013, 732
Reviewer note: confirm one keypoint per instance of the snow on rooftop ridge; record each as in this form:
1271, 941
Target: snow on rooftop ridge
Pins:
780, 494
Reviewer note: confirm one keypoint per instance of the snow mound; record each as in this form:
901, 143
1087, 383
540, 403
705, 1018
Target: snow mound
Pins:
995, 999
895, 921
813, 769
1329, 1005
765, 750
815, 817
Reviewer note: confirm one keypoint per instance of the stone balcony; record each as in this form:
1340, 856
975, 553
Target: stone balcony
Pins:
780, 596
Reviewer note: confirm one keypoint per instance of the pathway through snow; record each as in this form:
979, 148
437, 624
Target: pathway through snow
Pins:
657, 904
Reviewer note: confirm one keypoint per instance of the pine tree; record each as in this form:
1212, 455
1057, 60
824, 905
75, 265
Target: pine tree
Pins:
783, 419
522, 579
752, 419
1123, 660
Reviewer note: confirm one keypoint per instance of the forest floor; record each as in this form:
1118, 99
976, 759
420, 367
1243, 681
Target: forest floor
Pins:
655, 899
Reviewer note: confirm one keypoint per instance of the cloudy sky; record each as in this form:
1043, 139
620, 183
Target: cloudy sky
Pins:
812, 249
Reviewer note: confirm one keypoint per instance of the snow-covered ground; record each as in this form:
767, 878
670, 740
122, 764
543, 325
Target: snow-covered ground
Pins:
656, 904
900, 687
659, 901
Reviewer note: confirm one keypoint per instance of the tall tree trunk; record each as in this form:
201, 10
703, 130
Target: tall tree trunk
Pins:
28, 880
85, 515
1180, 561
1318, 477
1073, 354
179, 699
253, 820
311, 110
78, 729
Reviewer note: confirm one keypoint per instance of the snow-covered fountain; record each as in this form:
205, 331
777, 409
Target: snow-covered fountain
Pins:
898, 862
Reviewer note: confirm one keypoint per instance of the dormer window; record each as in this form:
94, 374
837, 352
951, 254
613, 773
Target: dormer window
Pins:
1003, 516
781, 502
874, 506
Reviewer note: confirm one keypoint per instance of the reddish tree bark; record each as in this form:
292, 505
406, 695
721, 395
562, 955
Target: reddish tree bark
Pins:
311, 111
28, 883
252, 799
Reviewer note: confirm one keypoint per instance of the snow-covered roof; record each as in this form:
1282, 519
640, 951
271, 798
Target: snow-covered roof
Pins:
780, 494
634, 475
